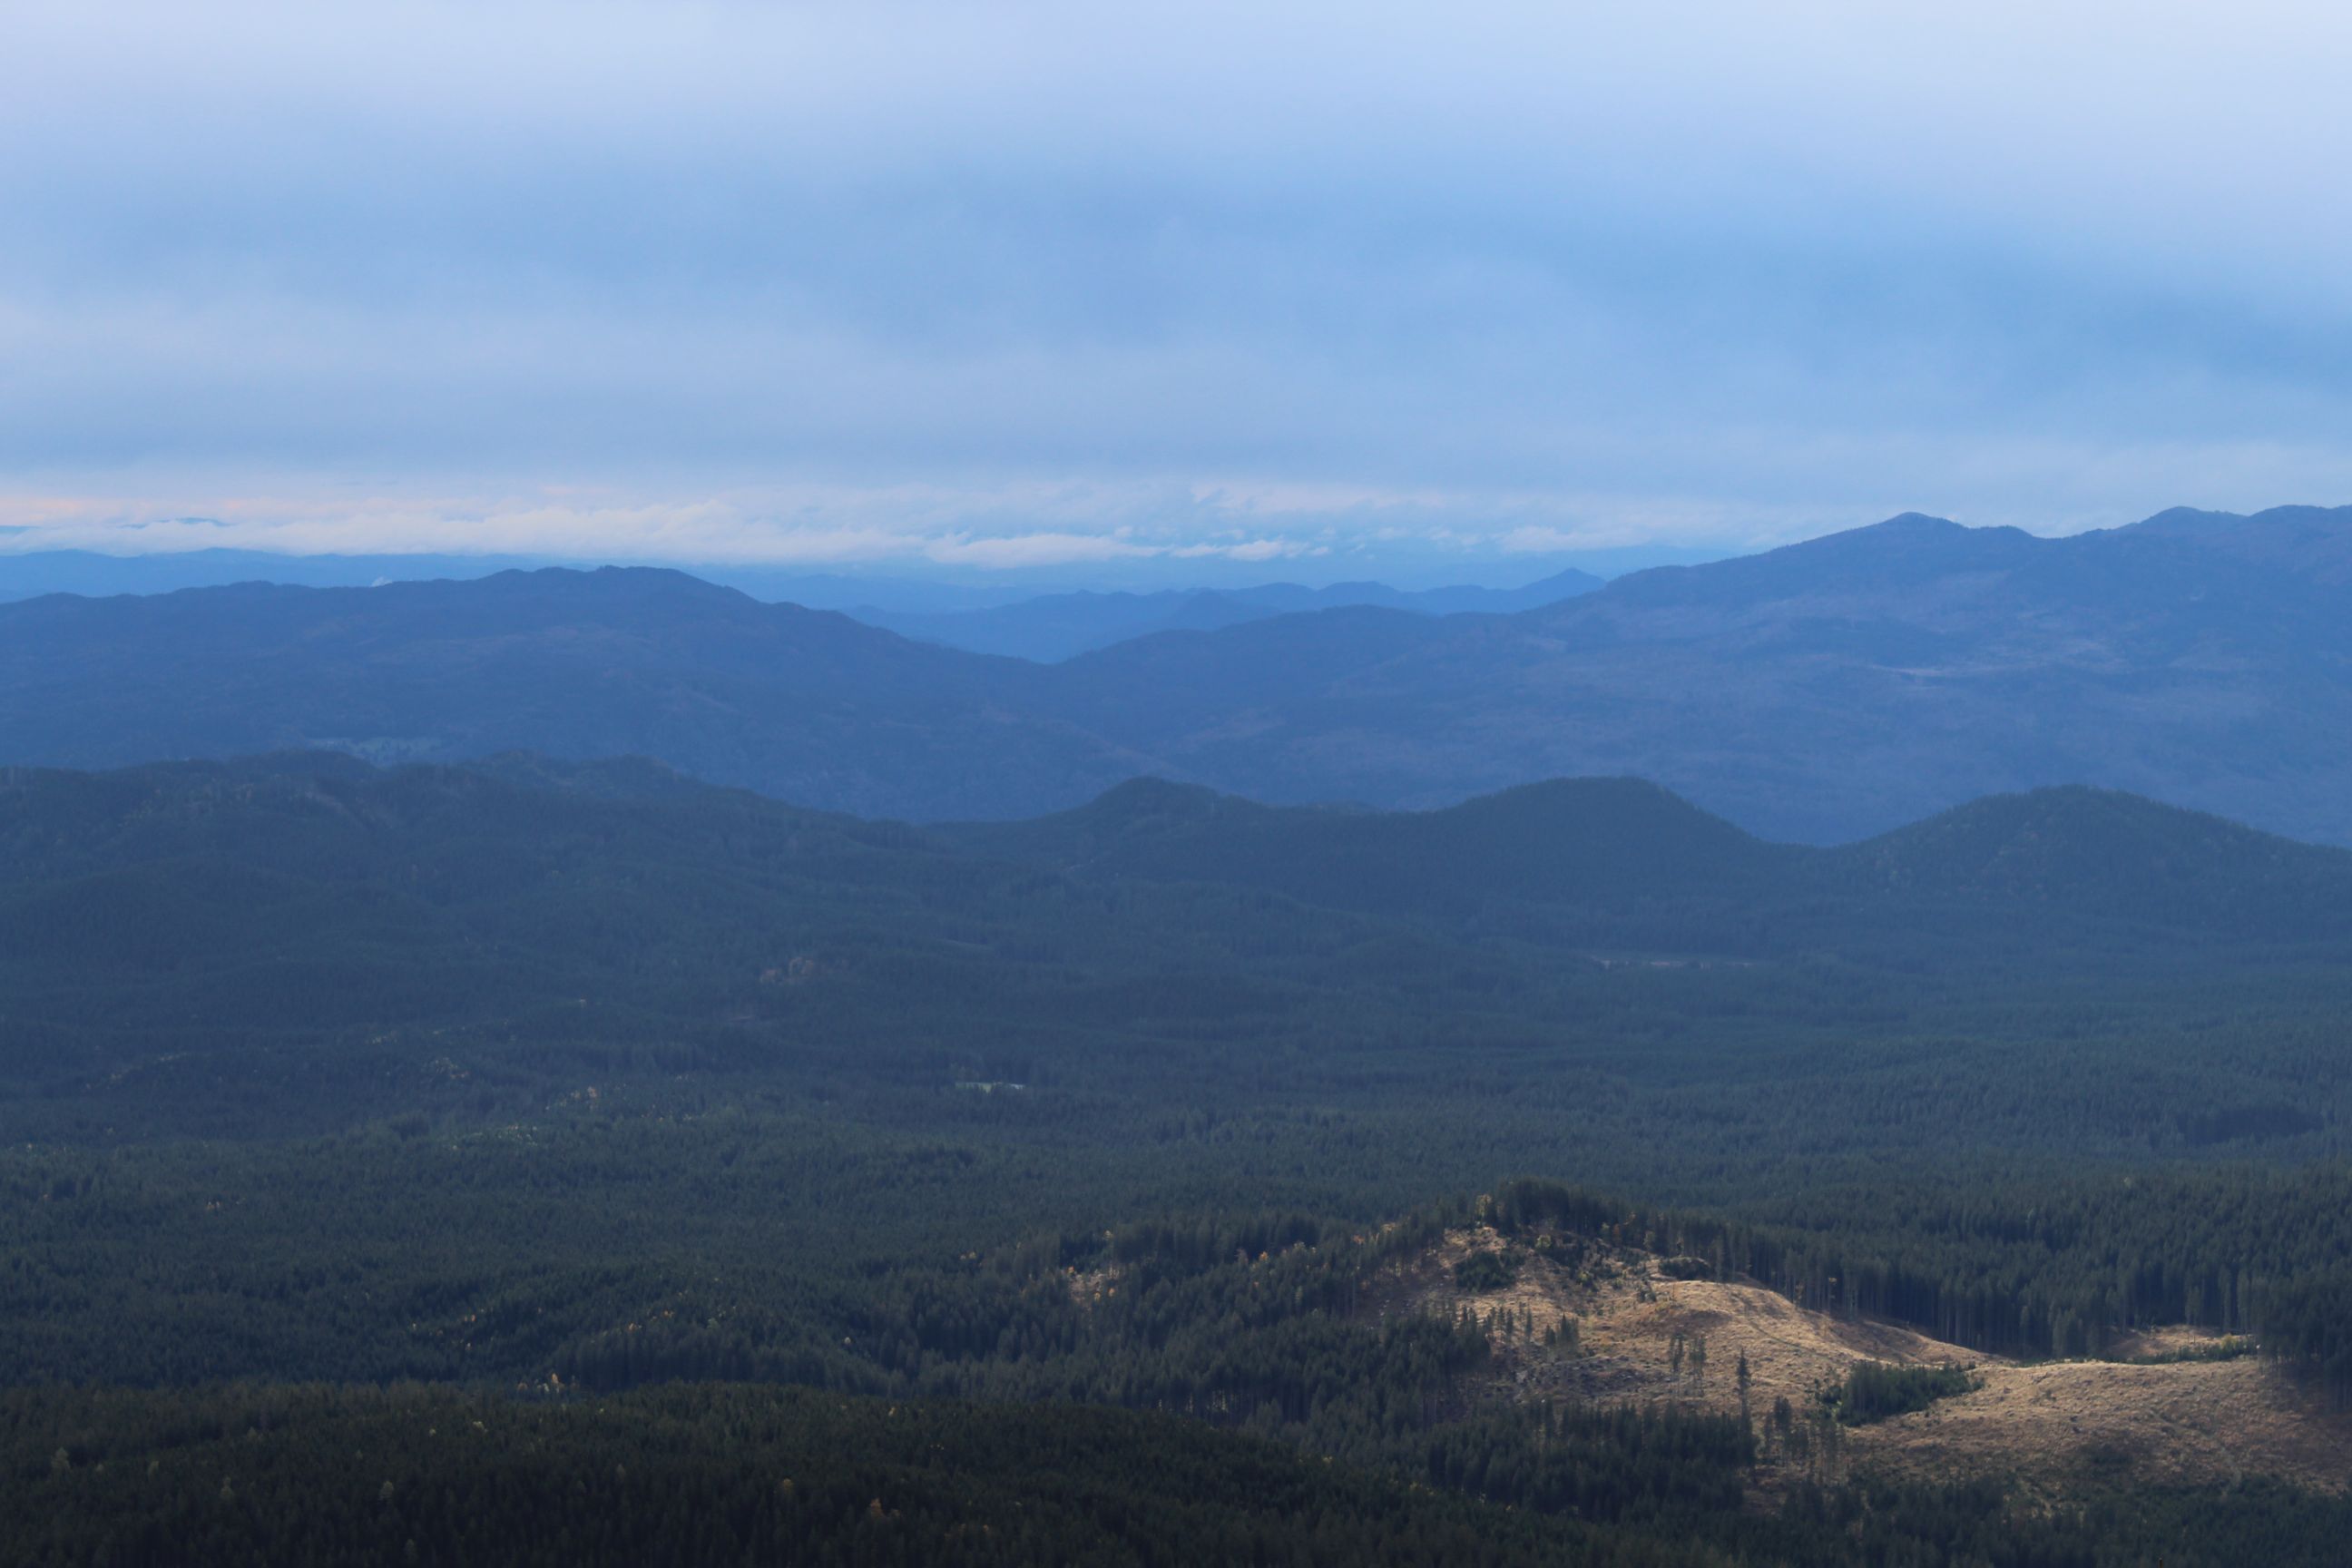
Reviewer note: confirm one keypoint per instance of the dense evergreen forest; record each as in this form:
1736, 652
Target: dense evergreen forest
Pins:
550, 1087
700, 1473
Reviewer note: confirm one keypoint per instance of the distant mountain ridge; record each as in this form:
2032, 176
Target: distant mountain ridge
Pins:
1054, 628
998, 617
802, 703
1821, 692
28, 574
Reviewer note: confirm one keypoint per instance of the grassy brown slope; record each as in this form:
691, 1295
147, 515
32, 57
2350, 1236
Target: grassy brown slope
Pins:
2051, 1427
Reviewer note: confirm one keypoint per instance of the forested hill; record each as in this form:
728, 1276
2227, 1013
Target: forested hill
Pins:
626, 877
447, 832
2114, 855
1564, 841
1820, 693
2059, 861
313, 889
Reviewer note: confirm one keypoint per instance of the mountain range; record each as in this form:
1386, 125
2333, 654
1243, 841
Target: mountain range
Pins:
1823, 692
1018, 616
1057, 626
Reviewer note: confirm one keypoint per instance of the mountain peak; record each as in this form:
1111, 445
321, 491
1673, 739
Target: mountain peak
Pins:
2119, 854
2189, 519
613, 581
1920, 528
1902, 553
1149, 796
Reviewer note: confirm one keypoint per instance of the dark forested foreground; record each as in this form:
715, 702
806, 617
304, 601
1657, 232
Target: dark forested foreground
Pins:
704, 1475
728, 1474
548, 1084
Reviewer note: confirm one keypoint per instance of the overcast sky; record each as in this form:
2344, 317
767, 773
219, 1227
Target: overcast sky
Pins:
1319, 289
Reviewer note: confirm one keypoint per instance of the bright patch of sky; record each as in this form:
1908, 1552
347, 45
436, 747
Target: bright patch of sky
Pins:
1308, 291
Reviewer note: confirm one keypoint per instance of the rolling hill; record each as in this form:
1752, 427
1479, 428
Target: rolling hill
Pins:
1586, 842
1617, 862
529, 881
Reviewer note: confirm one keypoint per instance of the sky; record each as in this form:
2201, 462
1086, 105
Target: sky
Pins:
1154, 292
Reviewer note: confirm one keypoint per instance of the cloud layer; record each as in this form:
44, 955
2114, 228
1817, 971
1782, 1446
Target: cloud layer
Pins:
1026, 284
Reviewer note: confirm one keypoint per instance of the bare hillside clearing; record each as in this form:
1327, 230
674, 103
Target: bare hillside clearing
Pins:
1582, 1319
